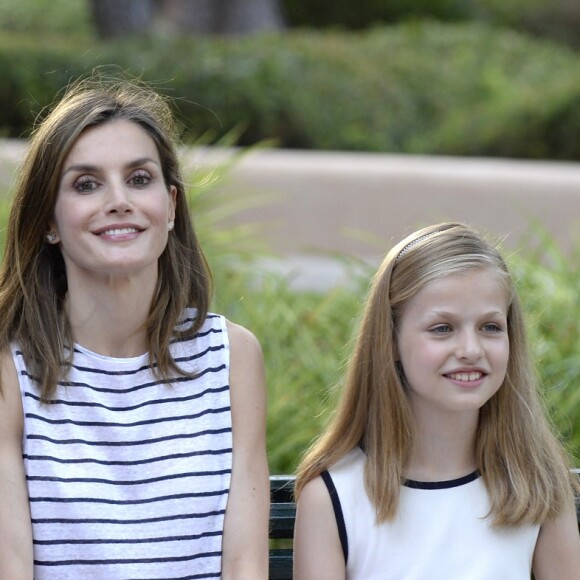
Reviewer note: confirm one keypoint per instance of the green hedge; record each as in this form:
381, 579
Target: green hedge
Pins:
306, 336
427, 88
364, 13
555, 19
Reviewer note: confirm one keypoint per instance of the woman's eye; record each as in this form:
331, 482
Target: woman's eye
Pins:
140, 179
85, 184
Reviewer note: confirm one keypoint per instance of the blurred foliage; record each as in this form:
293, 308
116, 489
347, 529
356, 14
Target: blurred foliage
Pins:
427, 88
549, 285
306, 336
46, 17
365, 13
555, 19
418, 87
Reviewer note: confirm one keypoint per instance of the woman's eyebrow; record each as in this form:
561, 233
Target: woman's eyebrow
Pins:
89, 168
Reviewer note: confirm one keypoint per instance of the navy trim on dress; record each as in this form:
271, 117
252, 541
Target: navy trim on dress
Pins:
441, 484
326, 477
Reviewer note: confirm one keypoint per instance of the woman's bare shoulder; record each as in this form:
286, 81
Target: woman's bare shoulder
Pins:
241, 338
11, 415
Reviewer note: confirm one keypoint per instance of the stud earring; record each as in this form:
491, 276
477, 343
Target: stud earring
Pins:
170, 225
51, 238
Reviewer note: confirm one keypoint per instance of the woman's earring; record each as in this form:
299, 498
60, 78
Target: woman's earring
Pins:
170, 225
51, 238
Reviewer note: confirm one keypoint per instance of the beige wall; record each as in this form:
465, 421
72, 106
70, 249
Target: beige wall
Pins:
334, 201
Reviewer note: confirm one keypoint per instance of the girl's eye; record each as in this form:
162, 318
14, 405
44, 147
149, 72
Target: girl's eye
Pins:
492, 327
441, 329
140, 179
85, 184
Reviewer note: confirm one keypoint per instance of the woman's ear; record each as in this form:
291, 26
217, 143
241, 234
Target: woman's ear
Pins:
51, 236
172, 202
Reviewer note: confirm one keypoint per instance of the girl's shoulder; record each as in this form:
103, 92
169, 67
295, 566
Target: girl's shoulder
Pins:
353, 461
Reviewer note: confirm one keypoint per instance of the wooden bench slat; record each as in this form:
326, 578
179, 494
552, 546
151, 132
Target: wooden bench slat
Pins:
282, 516
280, 564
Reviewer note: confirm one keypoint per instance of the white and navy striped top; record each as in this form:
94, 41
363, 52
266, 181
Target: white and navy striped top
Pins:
128, 477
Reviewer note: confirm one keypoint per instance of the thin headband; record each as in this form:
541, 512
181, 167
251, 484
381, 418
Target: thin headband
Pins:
414, 242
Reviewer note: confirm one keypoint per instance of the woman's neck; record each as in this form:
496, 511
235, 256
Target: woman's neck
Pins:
108, 318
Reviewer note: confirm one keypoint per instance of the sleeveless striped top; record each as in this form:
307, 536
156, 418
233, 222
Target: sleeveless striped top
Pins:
128, 476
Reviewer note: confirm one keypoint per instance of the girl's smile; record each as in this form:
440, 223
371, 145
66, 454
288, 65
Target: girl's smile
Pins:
453, 341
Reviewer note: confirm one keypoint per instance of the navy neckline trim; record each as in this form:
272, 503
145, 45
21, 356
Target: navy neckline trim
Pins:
441, 484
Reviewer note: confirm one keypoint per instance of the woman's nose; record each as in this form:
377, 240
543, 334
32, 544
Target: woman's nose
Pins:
118, 200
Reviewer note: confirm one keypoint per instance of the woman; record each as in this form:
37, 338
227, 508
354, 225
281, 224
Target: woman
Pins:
140, 416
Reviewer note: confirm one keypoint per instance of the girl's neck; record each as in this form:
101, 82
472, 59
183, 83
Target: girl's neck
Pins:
109, 318
444, 448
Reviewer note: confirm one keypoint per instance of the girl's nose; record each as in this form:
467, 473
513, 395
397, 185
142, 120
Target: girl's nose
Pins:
469, 347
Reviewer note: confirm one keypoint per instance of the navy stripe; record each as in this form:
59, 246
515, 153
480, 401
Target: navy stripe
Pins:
194, 577
129, 408
211, 370
129, 522
129, 502
126, 443
172, 418
125, 540
147, 367
196, 336
127, 481
156, 459
128, 560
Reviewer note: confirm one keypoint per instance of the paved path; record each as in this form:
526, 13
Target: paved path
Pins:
360, 204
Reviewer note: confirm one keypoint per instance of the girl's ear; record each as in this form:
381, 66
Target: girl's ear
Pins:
396, 355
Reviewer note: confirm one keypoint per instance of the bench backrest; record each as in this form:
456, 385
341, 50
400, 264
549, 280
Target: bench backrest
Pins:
282, 516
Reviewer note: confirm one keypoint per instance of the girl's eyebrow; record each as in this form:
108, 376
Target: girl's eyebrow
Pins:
88, 168
447, 313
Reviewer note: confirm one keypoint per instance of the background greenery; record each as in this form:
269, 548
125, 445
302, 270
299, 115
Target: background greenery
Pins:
306, 336
461, 86
466, 77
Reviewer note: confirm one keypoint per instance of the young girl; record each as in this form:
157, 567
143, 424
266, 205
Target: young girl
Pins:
132, 421
439, 462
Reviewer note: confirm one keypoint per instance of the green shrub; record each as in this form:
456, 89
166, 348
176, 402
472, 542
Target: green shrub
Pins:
422, 88
364, 13
549, 284
558, 20
46, 17
306, 336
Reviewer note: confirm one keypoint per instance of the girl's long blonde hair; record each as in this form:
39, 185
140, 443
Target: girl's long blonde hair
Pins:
522, 462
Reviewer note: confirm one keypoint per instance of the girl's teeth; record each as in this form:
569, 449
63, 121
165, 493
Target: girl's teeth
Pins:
466, 376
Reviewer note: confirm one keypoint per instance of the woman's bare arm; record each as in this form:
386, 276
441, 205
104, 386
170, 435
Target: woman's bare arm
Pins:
245, 543
16, 559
